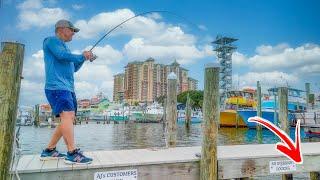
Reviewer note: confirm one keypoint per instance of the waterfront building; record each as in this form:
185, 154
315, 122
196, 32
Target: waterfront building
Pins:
192, 84
144, 81
118, 87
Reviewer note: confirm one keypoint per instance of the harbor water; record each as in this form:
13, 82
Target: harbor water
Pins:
92, 136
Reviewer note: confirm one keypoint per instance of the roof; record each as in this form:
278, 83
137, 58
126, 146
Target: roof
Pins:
224, 40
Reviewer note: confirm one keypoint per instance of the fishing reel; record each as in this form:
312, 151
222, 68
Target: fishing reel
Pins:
94, 57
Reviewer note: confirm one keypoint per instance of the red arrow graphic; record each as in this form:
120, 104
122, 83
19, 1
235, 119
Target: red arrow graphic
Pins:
287, 146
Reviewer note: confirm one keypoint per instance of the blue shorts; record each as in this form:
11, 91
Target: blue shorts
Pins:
61, 100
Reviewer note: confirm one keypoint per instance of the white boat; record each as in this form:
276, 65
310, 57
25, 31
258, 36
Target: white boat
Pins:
196, 116
310, 122
154, 112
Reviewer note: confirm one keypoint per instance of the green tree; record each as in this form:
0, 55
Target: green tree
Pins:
195, 96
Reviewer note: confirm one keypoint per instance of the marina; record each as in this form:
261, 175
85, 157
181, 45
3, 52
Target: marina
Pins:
159, 99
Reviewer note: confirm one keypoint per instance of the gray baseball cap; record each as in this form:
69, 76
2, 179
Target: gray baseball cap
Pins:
67, 24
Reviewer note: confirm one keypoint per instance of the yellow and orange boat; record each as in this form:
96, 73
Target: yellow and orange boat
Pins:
236, 100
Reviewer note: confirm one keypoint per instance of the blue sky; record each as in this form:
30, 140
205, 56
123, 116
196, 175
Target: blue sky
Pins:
278, 40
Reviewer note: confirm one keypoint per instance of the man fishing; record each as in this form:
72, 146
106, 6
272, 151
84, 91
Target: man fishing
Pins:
60, 65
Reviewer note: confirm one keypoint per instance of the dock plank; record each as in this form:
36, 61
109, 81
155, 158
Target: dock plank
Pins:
24, 161
96, 161
51, 165
234, 161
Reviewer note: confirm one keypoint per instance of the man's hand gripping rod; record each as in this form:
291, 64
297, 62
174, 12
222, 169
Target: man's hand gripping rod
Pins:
94, 57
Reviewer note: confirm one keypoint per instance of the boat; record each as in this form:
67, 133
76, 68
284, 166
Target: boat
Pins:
312, 130
196, 116
296, 103
228, 118
117, 115
236, 99
310, 122
24, 118
153, 113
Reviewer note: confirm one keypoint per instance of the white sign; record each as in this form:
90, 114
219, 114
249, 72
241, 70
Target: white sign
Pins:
131, 174
282, 166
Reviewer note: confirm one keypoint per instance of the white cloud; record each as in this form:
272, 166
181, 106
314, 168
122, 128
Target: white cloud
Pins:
137, 49
297, 60
149, 38
30, 4
31, 92
171, 36
106, 54
155, 16
32, 86
102, 22
300, 60
92, 78
278, 65
77, 6
239, 60
33, 69
33, 14
267, 79
139, 27
269, 50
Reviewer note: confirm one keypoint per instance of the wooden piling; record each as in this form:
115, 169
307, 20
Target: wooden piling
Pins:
211, 116
314, 176
188, 112
164, 111
307, 86
171, 110
237, 115
283, 117
259, 112
36, 115
11, 62
283, 109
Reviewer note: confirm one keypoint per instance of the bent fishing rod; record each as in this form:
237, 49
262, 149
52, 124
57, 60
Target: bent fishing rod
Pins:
137, 15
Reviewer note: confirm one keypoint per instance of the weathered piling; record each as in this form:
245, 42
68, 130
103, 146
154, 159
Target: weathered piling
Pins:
275, 117
237, 115
314, 176
164, 110
283, 117
11, 62
259, 112
211, 116
307, 86
171, 110
188, 112
283, 109
36, 115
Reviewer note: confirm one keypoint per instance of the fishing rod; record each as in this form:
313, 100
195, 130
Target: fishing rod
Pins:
137, 15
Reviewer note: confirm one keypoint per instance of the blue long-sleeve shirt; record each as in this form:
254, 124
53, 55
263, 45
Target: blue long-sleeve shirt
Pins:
60, 64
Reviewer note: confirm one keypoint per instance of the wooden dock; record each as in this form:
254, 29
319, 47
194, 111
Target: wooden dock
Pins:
234, 161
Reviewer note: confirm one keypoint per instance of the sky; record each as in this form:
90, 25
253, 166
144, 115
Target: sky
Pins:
278, 41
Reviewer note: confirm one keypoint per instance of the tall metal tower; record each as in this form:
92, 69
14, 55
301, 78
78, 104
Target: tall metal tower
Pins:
224, 49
